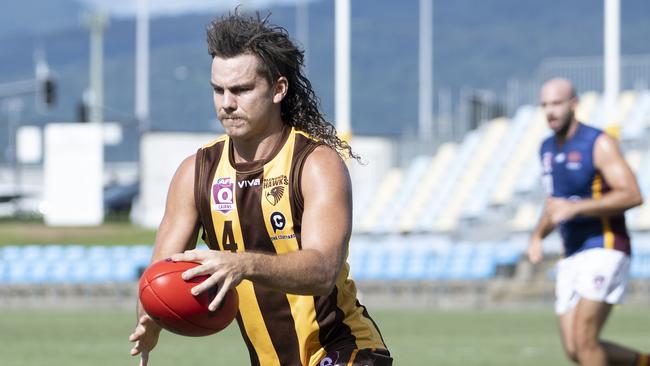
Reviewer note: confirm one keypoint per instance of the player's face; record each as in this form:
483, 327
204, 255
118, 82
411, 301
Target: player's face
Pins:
243, 99
559, 107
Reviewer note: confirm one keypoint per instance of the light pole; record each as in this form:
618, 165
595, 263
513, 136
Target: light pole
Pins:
96, 24
342, 67
425, 105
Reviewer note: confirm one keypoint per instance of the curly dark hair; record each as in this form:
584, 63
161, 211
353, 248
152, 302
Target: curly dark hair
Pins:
235, 34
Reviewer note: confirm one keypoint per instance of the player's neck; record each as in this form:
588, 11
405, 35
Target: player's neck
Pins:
566, 133
259, 147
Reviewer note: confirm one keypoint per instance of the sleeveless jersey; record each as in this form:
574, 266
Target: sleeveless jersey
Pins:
569, 172
257, 206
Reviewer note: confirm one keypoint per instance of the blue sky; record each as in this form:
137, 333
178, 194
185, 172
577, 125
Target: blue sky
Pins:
167, 7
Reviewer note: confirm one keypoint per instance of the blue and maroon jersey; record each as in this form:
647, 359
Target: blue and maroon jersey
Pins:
569, 173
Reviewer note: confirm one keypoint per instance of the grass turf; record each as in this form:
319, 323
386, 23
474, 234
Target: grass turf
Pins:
35, 232
416, 337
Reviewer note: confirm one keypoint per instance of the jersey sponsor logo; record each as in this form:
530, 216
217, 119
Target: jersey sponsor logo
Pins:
278, 221
574, 160
283, 237
574, 156
248, 183
222, 193
330, 359
560, 158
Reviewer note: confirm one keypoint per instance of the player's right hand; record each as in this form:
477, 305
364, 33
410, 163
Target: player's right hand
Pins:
535, 251
145, 336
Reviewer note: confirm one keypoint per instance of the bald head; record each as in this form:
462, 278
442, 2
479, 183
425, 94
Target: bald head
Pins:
561, 87
558, 100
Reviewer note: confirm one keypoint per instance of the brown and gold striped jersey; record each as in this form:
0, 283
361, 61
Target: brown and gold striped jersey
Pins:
257, 206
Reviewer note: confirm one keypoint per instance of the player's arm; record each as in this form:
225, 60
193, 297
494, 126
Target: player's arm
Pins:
326, 227
176, 233
624, 193
543, 228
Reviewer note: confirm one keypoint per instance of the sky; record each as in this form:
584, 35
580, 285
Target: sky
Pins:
169, 7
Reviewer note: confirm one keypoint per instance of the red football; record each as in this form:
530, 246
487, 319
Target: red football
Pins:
166, 297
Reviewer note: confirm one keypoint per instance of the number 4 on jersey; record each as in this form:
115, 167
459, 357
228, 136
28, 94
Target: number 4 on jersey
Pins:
228, 237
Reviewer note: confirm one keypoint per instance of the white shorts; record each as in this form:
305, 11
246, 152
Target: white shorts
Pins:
595, 274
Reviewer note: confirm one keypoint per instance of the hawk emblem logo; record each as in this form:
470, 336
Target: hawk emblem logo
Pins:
274, 195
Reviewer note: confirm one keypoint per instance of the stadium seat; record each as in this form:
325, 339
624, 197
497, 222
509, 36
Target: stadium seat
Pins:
385, 194
518, 166
436, 204
396, 259
427, 188
588, 103
38, 272
419, 261
374, 264
483, 264
73, 253
507, 253
636, 126
397, 204
459, 262
640, 265
52, 252
472, 175
18, 272
359, 248
3, 271
31, 253
124, 271
141, 254
119, 252
97, 253
11, 253
99, 271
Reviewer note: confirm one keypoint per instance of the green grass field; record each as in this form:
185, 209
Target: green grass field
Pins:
35, 232
416, 337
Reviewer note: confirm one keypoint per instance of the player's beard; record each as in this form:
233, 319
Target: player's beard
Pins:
566, 124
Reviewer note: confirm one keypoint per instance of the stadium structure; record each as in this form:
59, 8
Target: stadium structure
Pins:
432, 227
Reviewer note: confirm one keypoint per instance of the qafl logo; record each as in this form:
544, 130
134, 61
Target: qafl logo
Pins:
223, 196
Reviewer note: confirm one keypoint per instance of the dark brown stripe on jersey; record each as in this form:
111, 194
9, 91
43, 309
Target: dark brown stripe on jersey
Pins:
274, 305
365, 314
334, 334
302, 148
255, 360
280, 324
207, 167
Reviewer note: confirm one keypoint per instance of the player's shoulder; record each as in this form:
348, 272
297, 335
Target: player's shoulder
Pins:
187, 166
323, 153
606, 143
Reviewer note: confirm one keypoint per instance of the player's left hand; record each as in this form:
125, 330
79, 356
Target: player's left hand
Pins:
224, 269
560, 209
